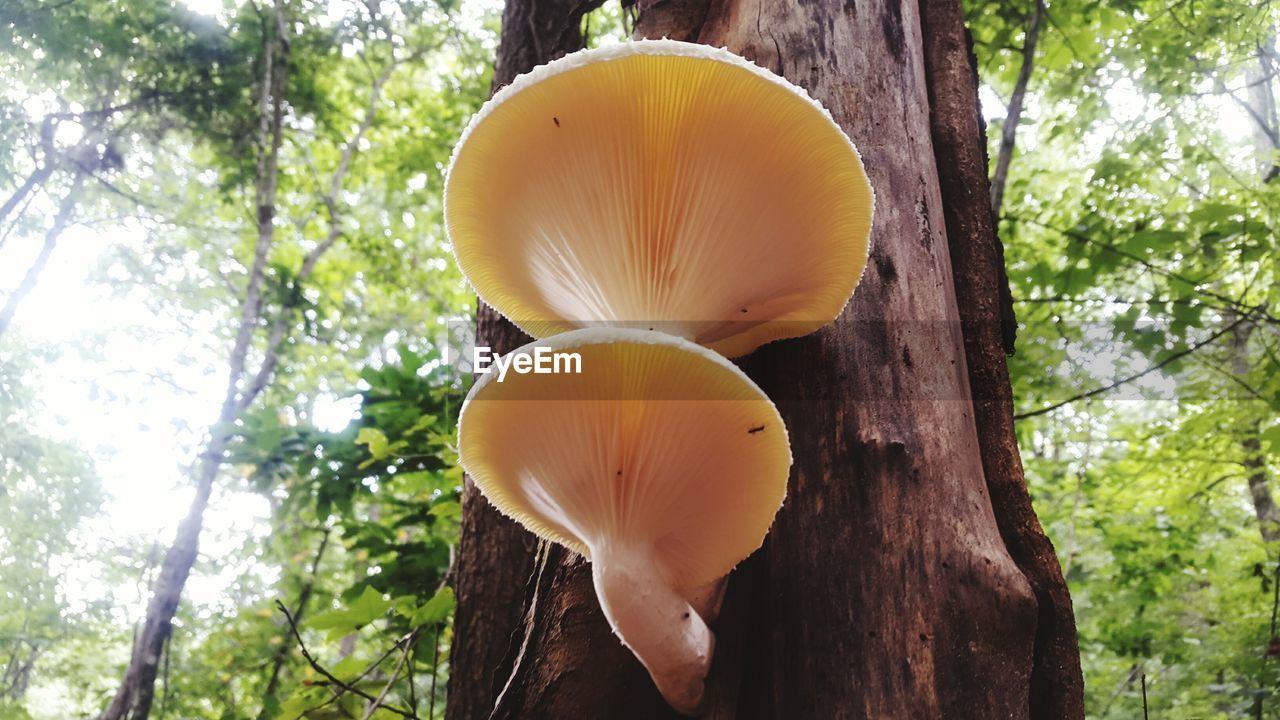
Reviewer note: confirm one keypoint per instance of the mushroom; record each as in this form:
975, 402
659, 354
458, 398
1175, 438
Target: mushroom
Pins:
662, 185
660, 462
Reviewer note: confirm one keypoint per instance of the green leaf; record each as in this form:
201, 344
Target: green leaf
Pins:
449, 510
435, 610
379, 447
1271, 436
348, 667
369, 606
363, 610
423, 423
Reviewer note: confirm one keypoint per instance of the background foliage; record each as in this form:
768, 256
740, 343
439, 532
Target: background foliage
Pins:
1138, 217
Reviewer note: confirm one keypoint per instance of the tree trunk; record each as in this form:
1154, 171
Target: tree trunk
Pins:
133, 698
1261, 103
887, 588
496, 555
1262, 109
987, 319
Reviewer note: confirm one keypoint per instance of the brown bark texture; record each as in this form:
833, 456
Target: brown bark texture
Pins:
888, 587
986, 313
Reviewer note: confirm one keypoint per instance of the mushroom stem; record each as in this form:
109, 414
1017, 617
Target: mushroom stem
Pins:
659, 626
707, 599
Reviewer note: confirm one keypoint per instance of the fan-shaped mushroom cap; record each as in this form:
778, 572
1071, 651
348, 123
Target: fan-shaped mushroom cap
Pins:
661, 462
660, 184
657, 439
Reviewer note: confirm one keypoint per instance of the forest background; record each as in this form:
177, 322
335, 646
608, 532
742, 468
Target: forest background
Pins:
223, 275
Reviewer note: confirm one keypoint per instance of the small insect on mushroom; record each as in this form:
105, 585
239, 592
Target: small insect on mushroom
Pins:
695, 185
697, 497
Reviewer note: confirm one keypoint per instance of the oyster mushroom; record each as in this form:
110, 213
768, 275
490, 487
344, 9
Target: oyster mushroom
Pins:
661, 462
659, 184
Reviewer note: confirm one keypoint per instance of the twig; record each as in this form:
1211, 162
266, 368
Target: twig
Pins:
1009, 131
1195, 285
1215, 483
395, 674
1144, 697
315, 665
1233, 378
435, 660
304, 594
1112, 386
412, 652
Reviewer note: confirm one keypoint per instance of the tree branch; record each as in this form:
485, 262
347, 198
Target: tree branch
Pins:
315, 665
304, 594
271, 357
50, 241
1195, 285
395, 674
1009, 131
34, 180
1112, 386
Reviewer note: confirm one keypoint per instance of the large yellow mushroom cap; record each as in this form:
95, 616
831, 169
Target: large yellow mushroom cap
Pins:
659, 184
658, 443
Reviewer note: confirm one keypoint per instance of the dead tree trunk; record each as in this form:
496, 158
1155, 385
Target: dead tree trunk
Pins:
906, 575
987, 319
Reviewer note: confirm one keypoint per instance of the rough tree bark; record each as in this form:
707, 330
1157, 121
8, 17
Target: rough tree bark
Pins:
987, 319
888, 587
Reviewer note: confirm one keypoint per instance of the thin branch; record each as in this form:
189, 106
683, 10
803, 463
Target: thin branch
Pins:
395, 675
1195, 285
103, 112
270, 134
1213, 484
435, 661
271, 356
333, 679
33, 181
304, 594
1112, 386
1235, 379
412, 653
28, 282
1009, 131
17, 220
